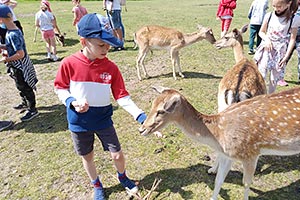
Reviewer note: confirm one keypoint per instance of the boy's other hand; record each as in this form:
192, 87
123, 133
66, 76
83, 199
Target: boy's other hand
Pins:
81, 105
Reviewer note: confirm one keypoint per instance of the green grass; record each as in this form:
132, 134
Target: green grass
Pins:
37, 160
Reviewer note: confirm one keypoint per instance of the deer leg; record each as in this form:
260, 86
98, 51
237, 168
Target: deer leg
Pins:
143, 63
223, 169
177, 60
172, 53
249, 170
140, 62
214, 168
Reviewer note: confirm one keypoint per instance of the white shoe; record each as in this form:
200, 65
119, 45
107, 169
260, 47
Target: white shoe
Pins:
54, 58
48, 56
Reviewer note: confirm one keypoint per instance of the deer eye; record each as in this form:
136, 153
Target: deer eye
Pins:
160, 112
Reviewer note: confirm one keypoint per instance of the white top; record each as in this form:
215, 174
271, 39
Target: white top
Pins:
45, 20
277, 28
116, 4
258, 10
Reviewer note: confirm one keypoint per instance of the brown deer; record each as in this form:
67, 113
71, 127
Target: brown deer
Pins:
242, 81
159, 37
262, 125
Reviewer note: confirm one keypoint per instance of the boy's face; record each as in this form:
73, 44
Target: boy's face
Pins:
95, 48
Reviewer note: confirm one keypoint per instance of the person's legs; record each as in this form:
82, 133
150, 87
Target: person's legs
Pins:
26, 92
123, 32
258, 40
222, 27
48, 36
227, 23
89, 165
83, 144
251, 39
53, 45
48, 47
110, 142
117, 25
274, 78
119, 162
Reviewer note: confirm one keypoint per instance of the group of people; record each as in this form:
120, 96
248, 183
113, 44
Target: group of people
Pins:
275, 33
86, 78
89, 113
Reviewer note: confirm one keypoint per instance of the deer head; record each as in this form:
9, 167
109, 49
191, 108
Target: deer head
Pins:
162, 111
232, 38
207, 33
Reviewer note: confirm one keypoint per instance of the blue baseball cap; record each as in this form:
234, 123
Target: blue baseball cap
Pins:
5, 11
97, 26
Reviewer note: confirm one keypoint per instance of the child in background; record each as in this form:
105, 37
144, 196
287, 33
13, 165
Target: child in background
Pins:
83, 83
114, 14
45, 21
256, 15
278, 33
12, 4
19, 64
225, 14
79, 11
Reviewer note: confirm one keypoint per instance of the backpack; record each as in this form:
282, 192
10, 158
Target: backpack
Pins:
123, 2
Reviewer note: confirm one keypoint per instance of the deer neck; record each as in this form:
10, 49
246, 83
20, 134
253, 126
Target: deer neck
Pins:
238, 51
200, 127
191, 38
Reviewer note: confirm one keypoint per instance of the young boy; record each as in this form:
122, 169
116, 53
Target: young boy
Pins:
83, 83
19, 64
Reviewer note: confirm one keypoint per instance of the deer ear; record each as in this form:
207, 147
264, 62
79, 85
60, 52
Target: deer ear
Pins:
235, 32
244, 28
172, 103
159, 89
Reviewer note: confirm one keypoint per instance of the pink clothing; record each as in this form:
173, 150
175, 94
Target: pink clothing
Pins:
47, 34
79, 11
225, 24
226, 8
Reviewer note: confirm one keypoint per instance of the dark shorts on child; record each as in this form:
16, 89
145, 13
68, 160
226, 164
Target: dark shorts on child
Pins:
84, 141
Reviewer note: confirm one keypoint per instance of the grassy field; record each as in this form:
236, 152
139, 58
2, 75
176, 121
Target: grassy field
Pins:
37, 160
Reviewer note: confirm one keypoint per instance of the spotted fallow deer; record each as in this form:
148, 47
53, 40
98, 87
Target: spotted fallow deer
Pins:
159, 37
263, 125
242, 81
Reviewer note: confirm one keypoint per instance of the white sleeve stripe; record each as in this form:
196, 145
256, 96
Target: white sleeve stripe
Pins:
127, 104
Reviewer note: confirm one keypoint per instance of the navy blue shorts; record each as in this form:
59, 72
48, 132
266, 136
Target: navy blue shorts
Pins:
84, 141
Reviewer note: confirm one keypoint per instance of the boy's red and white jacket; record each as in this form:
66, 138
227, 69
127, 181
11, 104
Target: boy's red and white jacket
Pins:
78, 78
